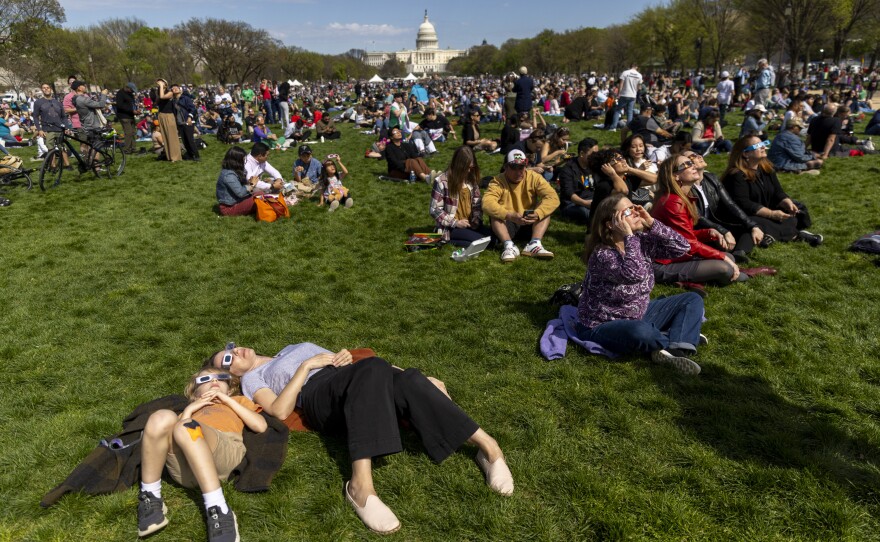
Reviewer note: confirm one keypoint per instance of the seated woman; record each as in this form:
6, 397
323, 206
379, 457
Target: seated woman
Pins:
707, 135
610, 176
456, 202
470, 134
158, 146
639, 167
753, 123
263, 134
752, 183
403, 158
199, 448
364, 401
234, 190
712, 201
553, 151
615, 309
702, 263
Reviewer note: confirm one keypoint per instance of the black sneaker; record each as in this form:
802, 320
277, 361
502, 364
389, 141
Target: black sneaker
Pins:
151, 513
814, 239
221, 527
766, 241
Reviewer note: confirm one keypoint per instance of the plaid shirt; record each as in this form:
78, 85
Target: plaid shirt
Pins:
444, 205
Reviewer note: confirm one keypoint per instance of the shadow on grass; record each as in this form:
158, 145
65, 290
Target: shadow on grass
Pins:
744, 419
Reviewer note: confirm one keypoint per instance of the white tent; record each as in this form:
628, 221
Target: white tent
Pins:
377, 79
295, 83
410, 77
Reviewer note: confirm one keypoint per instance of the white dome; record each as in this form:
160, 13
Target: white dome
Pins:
427, 36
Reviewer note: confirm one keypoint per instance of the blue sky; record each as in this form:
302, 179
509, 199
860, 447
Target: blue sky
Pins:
335, 26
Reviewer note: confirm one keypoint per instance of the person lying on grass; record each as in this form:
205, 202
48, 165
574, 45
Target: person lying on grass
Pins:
615, 309
364, 401
199, 448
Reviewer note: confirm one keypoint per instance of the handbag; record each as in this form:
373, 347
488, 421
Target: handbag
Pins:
270, 207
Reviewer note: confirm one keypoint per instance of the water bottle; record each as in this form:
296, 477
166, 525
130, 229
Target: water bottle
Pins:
412, 176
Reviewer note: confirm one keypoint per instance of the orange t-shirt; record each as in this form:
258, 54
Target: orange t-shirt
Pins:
223, 418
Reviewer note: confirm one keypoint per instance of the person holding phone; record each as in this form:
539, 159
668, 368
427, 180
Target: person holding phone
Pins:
507, 201
707, 135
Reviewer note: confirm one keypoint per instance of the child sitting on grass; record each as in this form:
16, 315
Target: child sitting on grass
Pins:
330, 185
199, 448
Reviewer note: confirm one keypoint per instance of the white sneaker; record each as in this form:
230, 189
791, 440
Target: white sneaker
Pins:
869, 144
536, 250
509, 254
679, 363
333, 206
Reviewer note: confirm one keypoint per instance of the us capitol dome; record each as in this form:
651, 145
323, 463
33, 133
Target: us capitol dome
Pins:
427, 57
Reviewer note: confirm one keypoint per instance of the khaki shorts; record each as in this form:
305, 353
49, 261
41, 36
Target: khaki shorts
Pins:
228, 455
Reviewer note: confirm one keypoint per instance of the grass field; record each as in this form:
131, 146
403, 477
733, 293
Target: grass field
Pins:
112, 292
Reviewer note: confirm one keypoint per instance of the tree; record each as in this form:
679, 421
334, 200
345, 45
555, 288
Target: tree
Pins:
392, 68
720, 24
13, 12
232, 51
847, 16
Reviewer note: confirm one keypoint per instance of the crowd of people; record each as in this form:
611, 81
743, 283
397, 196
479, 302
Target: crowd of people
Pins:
652, 212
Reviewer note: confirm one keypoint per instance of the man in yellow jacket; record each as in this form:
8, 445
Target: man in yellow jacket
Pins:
519, 203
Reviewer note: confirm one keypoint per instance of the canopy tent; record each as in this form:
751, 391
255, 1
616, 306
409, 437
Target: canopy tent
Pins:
410, 77
377, 79
419, 92
294, 83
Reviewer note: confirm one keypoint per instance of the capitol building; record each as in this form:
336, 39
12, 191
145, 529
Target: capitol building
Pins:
427, 56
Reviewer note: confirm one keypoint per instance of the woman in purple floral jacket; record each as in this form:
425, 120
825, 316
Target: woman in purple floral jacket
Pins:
615, 309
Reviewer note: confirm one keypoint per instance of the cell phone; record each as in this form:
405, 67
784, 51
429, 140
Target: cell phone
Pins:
528, 212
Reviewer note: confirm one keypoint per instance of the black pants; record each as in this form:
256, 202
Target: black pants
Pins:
187, 133
366, 400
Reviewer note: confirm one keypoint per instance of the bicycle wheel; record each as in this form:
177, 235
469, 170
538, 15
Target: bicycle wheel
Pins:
117, 162
51, 170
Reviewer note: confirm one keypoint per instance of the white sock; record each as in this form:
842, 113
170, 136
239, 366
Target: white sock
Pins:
508, 244
153, 487
216, 498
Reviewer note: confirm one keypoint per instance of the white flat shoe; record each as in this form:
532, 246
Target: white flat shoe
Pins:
498, 476
375, 515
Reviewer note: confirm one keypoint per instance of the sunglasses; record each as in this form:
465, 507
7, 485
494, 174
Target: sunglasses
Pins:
683, 166
616, 160
204, 379
757, 146
226, 362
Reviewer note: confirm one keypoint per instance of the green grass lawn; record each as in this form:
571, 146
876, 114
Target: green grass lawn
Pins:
113, 291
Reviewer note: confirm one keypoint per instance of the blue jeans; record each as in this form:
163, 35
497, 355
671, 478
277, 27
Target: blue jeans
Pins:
623, 104
873, 130
270, 111
670, 322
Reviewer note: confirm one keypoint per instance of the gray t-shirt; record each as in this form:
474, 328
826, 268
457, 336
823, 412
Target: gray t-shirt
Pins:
277, 373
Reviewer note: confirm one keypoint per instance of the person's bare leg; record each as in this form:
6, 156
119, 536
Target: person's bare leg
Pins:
487, 444
197, 446
361, 485
499, 228
155, 444
540, 228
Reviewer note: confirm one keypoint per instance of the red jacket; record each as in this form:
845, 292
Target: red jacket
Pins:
672, 211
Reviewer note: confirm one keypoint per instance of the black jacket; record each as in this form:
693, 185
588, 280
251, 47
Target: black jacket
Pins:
397, 156
729, 215
124, 104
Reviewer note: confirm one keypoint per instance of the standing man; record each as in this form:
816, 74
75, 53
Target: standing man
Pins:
185, 116
49, 117
725, 90
523, 88
88, 108
125, 111
520, 203
630, 80
763, 82
283, 104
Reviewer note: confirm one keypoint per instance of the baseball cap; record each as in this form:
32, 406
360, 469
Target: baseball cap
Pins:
760, 108
725, 74
132, 86
517, 157
794, 121
305, 149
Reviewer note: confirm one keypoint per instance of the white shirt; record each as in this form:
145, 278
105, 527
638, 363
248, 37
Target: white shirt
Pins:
629, 83
218, 99
725, 92
252, 168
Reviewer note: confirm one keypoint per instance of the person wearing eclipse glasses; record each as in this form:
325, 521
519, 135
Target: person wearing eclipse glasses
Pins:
198, 448
615, 309
364, 401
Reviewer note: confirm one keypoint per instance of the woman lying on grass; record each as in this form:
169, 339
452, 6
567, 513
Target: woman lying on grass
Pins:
364, 401
615, 309
199, 448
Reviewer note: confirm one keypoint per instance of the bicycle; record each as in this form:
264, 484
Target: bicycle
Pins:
104, 157
13, 174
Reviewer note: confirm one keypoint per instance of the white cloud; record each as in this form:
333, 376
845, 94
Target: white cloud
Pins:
368, 29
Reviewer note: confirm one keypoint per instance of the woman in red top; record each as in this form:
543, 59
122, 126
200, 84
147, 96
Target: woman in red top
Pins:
268, 106
703, 262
